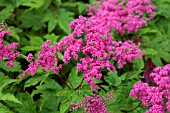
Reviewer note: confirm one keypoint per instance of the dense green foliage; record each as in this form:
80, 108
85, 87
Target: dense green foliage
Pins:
34, 21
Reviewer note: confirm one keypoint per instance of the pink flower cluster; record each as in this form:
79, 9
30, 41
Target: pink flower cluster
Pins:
7, 50
123, 16
91, 37
154, 96
93, 103
47, 59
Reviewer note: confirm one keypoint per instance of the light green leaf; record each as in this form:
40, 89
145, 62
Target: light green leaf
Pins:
9, 97
51, 37
35, 39
30, 48
17, 67
32, 81
81, 7
4, 81
6, 13
92, 1
4, 109
15, 32
60, 55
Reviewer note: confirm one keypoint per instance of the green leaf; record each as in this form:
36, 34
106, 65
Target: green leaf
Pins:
147, 30
134, 74
49, 84
9, 97
64, 107
113, 78
6, 13
30, 3
81, 7
164, 55
17, 67
31, 20
64, 25
23, 56
60, 55
63, 19
35, 39
49, 103
92, 1
69, 96
58, 1
32, 81
138, 64
30, 48
28, 103
35, 80
15, 32
156, 60
74, 79
150, 51
51, 25
51, 37
4, 109
4, 81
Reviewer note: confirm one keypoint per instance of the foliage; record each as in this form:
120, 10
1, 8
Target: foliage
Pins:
32, 22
